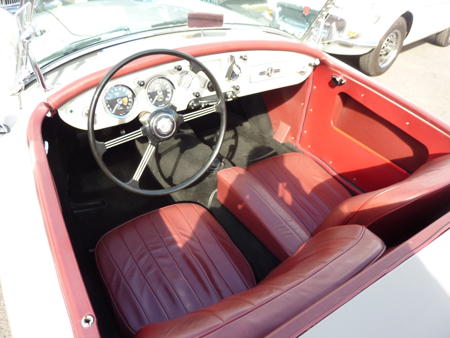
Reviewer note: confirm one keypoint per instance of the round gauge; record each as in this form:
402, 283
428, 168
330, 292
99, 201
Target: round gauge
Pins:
119, 100
160, 92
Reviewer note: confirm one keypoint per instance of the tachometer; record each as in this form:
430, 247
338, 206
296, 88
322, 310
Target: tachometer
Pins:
119, 100
160, 92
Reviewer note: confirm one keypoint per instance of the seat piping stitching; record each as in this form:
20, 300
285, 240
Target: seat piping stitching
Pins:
207, 255
275, 212
200, 267
226, 254
179, 268
113, 301
126, 283
139, 268
305, 208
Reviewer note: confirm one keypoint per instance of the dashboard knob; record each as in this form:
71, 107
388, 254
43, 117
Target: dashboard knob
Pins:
210, 86
234, 71
229, 96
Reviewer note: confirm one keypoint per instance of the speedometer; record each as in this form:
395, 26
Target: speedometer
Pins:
119, 100
160, 92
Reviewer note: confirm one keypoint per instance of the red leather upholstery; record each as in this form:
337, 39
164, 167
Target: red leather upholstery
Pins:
281, 200
168, 263
383, 209
326, 261
284, 199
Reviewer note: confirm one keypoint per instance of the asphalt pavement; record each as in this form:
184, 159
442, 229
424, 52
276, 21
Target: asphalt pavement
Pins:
421, 74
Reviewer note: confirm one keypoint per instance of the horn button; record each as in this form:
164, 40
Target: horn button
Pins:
161, 123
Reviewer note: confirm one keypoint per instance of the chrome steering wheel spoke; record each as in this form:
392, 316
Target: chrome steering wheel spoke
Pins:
102, 147
199, 113
124, 138
146, 157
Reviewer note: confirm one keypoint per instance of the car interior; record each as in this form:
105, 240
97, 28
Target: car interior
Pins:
302, 183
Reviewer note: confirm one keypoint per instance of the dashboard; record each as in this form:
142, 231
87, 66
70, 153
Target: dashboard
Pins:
179, 87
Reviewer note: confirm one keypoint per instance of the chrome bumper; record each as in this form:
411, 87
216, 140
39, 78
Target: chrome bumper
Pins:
348, 47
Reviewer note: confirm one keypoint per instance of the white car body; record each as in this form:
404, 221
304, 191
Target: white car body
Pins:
368, 21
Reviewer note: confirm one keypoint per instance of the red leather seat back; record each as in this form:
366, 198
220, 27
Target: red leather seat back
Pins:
167, 263
326, 261
387, 210
281, 200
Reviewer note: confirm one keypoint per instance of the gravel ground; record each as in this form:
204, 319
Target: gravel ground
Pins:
421, 74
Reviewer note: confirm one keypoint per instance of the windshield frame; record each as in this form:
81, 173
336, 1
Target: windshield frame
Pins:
105, 40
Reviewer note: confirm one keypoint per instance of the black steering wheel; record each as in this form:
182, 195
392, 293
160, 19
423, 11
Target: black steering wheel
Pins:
157, 126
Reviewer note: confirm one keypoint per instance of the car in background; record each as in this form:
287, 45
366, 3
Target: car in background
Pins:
374, 31
10, 5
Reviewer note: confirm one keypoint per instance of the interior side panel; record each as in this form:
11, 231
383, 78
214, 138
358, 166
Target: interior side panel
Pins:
371, 141
378, 134
287, 108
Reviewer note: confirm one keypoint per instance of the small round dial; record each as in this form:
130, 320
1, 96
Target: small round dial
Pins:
160, 92
119, 100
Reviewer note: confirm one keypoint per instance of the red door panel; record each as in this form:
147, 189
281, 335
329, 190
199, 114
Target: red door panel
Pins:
368, 128
367, 138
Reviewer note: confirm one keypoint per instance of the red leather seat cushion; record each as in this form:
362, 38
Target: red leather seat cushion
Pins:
168, 263
282, 200
326, 261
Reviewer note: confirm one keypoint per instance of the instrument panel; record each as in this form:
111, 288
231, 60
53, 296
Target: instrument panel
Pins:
179, 87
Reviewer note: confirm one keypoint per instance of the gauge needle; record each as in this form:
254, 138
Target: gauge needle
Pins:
116, 106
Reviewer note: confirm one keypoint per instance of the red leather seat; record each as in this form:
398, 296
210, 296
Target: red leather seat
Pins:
168, 263
286, 198
174, 272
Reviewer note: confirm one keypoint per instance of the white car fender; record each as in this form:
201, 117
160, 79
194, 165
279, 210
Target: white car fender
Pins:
388, 17
374, 19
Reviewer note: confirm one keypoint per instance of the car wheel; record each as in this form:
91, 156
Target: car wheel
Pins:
442, 38
383, 56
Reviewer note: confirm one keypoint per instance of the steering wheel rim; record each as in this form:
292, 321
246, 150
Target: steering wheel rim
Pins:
98, 148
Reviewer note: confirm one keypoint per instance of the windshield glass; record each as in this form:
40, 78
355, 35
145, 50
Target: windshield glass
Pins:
65, 26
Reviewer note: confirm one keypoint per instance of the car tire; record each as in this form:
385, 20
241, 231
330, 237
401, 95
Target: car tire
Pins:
383, 56
442, 38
